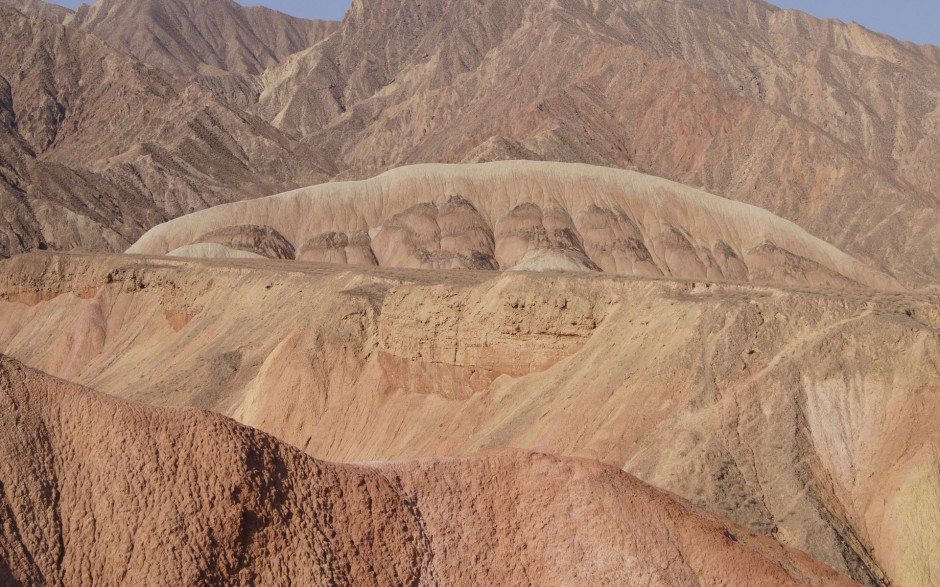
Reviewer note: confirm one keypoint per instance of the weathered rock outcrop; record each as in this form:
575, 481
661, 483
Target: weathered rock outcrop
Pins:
807, 415
95, 147
530, 216
828, 125
100, 492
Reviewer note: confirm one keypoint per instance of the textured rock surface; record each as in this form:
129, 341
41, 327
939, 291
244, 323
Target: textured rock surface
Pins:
528, 216
97, 491
210, 37
825, 124
40, 9
95, 148
807, 415
260, 240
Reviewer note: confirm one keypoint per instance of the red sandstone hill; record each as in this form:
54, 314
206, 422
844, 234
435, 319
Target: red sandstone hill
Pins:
98, 491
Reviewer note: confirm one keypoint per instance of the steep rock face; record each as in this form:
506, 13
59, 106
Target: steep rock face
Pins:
96, 148
528, 216
828, 125
97, 491
209, 37
804, 414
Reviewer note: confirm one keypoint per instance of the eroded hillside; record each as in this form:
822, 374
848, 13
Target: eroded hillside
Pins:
98, 491
828, 125
805, 415
95, 147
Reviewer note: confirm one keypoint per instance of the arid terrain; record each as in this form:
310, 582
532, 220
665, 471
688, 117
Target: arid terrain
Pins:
467, 293
805, 414
186, 497
828, 125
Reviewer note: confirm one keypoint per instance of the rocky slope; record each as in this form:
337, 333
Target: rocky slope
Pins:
520, 216
97, 491
40, 9
828, 125
208, 37
95, 147
806, 415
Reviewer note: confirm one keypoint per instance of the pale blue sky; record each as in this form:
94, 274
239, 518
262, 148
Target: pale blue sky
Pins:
909, 20
912, 20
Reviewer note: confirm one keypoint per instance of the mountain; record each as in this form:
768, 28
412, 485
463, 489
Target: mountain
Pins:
198, 499
518, 216
804, 413
187, 37
40, 9
97, 147
711, 264
825, 124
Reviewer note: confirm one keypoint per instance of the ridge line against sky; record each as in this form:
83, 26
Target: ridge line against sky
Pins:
907, 20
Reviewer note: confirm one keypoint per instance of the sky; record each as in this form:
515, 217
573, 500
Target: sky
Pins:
910, 20
328, 9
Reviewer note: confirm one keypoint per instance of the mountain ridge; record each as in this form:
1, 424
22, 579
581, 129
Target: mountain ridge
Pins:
746, 113
209, 37
199, 498
99, 147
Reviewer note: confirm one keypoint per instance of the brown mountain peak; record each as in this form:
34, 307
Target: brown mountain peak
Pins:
40, 9
205, 37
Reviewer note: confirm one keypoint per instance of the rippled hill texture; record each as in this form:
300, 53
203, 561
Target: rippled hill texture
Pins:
517, 216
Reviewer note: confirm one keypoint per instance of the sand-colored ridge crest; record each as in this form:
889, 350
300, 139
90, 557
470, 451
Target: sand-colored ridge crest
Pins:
535, 216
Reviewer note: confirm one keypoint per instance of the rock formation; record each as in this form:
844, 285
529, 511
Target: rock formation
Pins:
825, 124
527, 216
40, 9
208, 37
260, 240
712, 263
95, 147
98, 491
805, 414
